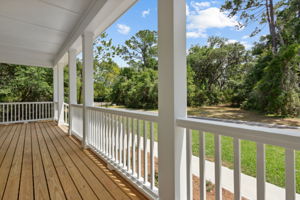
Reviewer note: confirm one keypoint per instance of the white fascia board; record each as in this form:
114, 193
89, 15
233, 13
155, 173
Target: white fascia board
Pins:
102, 15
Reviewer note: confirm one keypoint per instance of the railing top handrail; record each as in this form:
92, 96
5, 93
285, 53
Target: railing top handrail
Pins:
275, 136
128, 113
76, 105
42, 102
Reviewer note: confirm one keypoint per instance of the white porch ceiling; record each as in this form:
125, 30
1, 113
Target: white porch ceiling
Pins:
40, 32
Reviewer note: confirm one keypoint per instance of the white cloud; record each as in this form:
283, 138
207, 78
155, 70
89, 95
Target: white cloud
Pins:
195, 34
231, 41
145, 13
187, 10
247, 45
200, 18
123, 29
245, 37
200, 5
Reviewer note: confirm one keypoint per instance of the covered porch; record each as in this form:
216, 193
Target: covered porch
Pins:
106, 149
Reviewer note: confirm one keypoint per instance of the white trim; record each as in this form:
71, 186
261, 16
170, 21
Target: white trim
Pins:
274, 136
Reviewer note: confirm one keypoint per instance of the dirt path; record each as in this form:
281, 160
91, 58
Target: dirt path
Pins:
226, 112
230, 113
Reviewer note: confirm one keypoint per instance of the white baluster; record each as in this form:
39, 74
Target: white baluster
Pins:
290, 181
189, 164
218, 167
237, 169
260, 171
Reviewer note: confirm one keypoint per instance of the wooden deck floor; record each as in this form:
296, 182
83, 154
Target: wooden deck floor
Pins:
39, 161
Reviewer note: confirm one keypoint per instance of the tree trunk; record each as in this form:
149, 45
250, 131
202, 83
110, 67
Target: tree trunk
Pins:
271, 22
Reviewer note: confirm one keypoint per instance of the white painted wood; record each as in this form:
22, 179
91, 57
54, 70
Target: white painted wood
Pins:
133, 146
202, 166
290, 180
88, 81
260, 172
39, 33
152, 167
274, 136
145, 152
172, 98
115, 124
124, 141
218, 165
128, 143
128, 113
189, 154
60, 90
23, 112
55, 91
72, 84
139, 150
237, 168
120, 139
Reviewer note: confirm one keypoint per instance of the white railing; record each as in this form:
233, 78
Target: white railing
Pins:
121, 138
288, 139
77, 117
25, 111
66, 114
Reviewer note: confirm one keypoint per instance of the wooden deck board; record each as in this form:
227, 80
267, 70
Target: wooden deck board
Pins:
65, 178
7, 161
26, 183
40, 161
102, 175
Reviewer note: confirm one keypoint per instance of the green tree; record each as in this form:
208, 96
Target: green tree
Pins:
136, 89
25, 83
262, 11
105, 75
140, 51
218, 67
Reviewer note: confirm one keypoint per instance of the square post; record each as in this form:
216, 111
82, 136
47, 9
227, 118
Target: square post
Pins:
55, 96
172, 94
60, 70
72, 84
88, 81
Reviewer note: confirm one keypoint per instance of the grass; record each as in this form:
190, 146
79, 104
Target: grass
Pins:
275, 156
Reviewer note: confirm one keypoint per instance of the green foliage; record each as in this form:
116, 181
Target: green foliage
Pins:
276, 83
217, 70
140, 51
25, 84
105, 75
136, 89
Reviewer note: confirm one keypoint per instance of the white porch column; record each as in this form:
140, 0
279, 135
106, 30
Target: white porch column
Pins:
88, 81
60, 85
72, 84
55, 96
172, 98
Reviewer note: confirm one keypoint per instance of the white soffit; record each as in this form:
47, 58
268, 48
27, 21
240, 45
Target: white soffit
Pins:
39, 32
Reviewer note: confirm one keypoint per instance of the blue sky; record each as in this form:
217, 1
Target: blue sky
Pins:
204, 19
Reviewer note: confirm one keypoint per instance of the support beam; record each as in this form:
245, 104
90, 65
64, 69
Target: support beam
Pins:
88, 81
172, 98
60, 86
55, 95
72, 84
